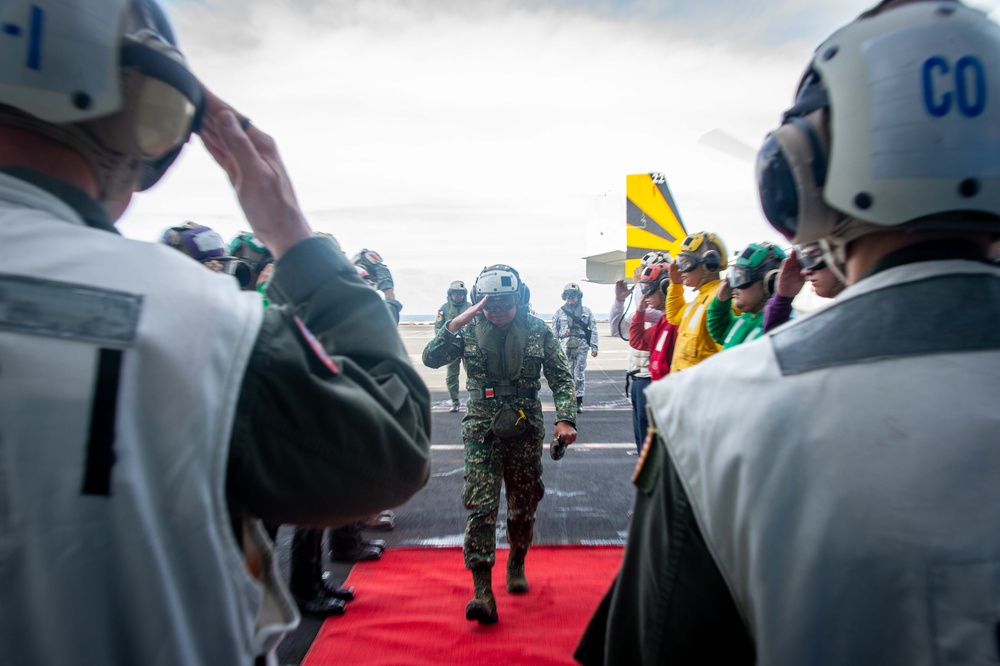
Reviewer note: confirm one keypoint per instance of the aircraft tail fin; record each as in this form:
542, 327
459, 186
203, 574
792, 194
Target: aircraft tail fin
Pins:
652, 221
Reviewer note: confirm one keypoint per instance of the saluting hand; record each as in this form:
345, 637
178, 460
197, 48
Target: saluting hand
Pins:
621, 290
790, 280
725, 291
456, 324
250, 159
675, 274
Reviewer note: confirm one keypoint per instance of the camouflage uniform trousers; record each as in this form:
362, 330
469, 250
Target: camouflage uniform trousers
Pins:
490, 461
578, 367
451, 379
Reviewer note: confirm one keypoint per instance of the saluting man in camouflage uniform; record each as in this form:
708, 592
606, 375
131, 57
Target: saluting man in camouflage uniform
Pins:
505, 352
456, 304
576, 331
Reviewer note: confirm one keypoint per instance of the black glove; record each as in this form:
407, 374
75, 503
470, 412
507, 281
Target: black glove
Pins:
382, 277
557, 449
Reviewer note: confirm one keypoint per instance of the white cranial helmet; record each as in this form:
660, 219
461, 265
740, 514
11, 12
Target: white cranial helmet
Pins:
897, 121
104, 77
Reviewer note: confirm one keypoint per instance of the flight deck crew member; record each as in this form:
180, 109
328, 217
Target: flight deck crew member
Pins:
828, 493
658, 341
701, 258
146, 404
637, 376
457, 303
505, 350
750, 283
201, 243
255, 263
805, 263
576, 331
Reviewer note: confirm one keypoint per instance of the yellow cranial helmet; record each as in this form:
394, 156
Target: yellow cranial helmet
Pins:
705, 248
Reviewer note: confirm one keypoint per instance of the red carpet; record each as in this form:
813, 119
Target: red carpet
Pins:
410, 609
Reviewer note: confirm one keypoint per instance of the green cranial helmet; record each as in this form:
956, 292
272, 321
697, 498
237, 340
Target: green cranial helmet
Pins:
756, 262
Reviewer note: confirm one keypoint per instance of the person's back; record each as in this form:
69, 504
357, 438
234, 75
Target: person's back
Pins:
835, 483
750, 284
151, 414
879, 457
116, 422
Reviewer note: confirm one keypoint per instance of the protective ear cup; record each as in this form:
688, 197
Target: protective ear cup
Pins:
721, 254
712, 261
769, 282
792, 167
817, 154
776, 188
665, 284
523, 293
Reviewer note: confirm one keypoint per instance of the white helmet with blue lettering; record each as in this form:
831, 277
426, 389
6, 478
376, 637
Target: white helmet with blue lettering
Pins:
104, 77
896, 122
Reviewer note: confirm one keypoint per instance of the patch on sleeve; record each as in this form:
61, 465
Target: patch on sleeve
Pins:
440, 316
316, 347
70, 311
647, 470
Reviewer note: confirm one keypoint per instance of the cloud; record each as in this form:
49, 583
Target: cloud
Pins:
448, 135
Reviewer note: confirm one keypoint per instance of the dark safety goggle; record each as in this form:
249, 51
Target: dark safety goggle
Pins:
501, 303
244, 270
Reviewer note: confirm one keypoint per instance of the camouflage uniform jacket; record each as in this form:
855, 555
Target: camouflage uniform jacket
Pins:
572, 333
449, 311
541, 353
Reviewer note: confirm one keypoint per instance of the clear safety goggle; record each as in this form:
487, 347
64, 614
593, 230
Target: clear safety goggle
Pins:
741, 277
500, 303
687, 262
648, 288
171, 101
811, 257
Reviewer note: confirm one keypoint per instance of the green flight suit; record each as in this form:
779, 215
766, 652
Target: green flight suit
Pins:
448, 312
504, 361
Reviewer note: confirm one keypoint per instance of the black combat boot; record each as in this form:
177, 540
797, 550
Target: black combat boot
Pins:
483, 608
347, 544
579, 405
307, 586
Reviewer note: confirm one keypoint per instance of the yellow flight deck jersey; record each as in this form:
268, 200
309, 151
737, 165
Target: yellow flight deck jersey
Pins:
694, 342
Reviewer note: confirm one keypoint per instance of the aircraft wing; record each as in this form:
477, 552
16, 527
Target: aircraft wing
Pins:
606, 268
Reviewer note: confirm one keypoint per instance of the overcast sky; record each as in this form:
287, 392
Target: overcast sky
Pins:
448, 135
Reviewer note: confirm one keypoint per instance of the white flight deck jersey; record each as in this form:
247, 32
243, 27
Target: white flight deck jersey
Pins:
120, 368
845, 472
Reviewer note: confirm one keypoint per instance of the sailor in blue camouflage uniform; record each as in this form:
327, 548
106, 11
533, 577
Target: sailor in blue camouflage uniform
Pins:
576, 331
505, 352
